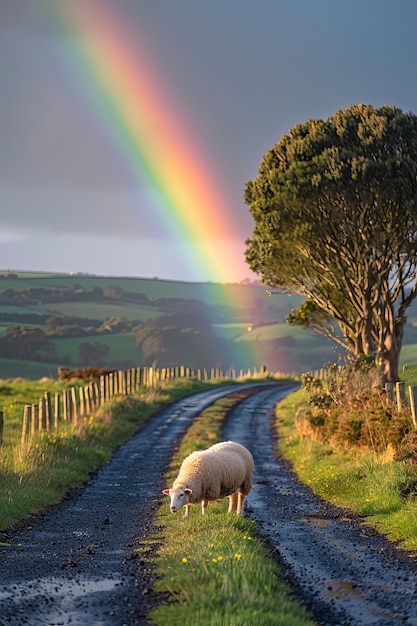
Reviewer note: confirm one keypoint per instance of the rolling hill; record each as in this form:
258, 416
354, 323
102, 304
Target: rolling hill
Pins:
55, 320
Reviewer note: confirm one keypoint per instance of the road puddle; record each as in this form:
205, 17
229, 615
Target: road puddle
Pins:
315, 521
57, 588
343, 590
346, 590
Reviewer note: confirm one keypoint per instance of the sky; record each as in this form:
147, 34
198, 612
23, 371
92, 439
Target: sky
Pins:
128, 128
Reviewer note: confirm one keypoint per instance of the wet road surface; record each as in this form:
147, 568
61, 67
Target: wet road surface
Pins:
344, 570
76, 563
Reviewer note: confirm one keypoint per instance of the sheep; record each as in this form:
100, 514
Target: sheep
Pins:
223, 470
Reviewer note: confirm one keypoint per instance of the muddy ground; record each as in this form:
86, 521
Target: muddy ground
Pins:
76, 564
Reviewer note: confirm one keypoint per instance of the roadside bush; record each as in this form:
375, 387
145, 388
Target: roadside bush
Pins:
347, 407
87, 373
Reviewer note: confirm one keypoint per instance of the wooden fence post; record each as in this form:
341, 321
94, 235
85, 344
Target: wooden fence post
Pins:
102, 390
412, 390
64, 406
35, 418
41, 414
82, 401
111, 384
96, 394
399, 387
120, 381
56, 410
47, 396
1, 427
138, 378
74, 405
33, 422
389, 389
26, 423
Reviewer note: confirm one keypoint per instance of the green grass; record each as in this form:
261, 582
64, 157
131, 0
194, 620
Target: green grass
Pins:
40, 473
373, 485
121, 346
232, 330
14, 394
408, 358
299, 340
215, 568
100, 310
32, 370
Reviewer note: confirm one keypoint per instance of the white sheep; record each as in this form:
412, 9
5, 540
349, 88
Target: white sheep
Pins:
223, 470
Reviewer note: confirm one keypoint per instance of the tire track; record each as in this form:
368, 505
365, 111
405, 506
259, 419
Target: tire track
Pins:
74, 564
345, 572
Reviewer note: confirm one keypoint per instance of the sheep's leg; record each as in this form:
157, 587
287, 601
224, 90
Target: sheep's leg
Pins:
204, 505
187, 509
232, 502
239, 508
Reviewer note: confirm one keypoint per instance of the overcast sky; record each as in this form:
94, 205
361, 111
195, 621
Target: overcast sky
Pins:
239, 72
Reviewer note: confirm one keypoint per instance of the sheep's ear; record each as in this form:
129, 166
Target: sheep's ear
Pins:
187, 490
166, 492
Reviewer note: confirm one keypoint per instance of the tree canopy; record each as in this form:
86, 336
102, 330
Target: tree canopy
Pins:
335, 211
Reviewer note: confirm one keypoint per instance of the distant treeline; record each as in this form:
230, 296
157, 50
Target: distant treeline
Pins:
75, 293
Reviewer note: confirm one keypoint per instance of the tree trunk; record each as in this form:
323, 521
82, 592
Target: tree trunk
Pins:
392, 349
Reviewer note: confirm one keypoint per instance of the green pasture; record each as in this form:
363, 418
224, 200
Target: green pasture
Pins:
232, 331
122, 346
31, 370
409, 374
14, 394
303, 340
100, 310
408, 355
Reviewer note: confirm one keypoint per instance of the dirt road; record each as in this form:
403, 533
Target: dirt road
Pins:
343, 570
76, 564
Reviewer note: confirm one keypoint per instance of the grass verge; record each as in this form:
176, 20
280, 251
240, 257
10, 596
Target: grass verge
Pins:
214, 570
40, 473
373, 485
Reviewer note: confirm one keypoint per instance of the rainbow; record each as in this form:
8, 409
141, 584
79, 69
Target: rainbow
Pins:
158, 147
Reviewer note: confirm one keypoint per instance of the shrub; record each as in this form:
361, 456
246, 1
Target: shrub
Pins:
347, 407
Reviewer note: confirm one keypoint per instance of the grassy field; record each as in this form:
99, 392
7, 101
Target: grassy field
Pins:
100, 310
408, 358
121, 346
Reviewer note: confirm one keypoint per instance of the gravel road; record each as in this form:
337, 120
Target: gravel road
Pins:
75, 564
342, 569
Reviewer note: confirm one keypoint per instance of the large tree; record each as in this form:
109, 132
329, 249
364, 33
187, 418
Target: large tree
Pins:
335, 210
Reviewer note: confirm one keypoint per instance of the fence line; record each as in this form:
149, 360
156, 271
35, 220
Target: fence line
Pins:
70, 407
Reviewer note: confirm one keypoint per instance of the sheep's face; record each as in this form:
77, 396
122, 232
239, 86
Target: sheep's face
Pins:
179, 497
